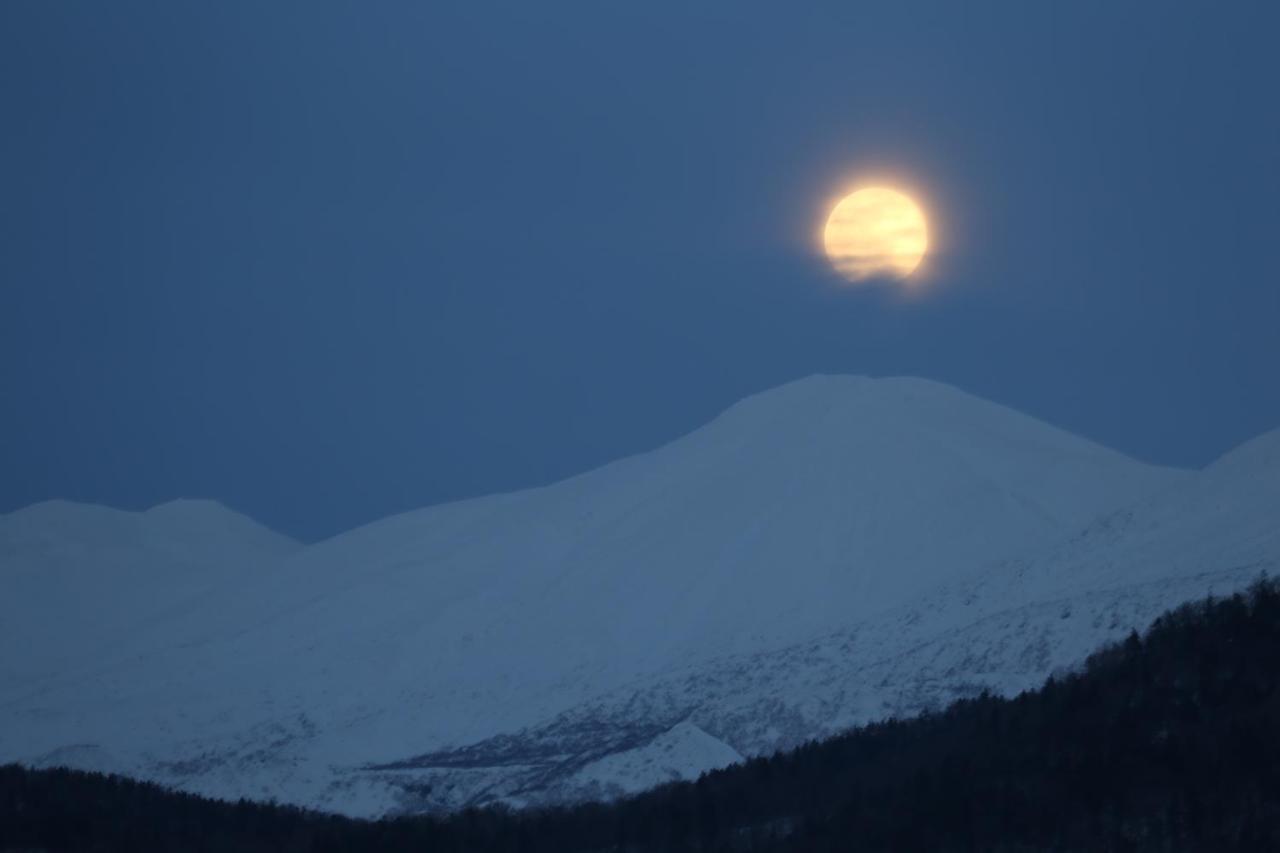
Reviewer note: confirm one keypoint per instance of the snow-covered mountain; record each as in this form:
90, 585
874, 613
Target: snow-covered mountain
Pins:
825, 553
79, 579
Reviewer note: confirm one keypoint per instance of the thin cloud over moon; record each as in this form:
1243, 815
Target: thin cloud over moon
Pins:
876, 232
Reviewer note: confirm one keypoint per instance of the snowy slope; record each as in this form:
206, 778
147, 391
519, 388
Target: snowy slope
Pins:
80, 579
1004, 628
797, 565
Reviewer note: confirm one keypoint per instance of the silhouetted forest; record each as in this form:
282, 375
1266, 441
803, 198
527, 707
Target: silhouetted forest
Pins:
1168, 742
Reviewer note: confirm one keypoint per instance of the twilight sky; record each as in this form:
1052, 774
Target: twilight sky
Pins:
326, 261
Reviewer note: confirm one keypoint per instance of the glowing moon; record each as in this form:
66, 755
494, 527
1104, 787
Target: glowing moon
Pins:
876, 232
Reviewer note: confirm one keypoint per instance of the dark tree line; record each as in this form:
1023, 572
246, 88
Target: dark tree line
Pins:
1165, 742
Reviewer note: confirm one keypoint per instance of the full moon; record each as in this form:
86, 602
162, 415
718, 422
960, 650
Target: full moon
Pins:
875, 232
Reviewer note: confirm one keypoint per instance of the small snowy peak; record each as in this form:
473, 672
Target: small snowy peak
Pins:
681, 753
209, 524
81, 580
187, 526
60, 524
1221, 520
1257, 461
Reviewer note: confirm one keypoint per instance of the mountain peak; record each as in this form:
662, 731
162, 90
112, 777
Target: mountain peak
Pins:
1261, 452
818, 388
798, 520
890, 421
189, 521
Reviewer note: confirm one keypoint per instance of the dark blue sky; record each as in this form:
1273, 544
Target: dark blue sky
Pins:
328, 261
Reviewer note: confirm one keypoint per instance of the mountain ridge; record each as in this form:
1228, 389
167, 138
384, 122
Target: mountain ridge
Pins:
876, 512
